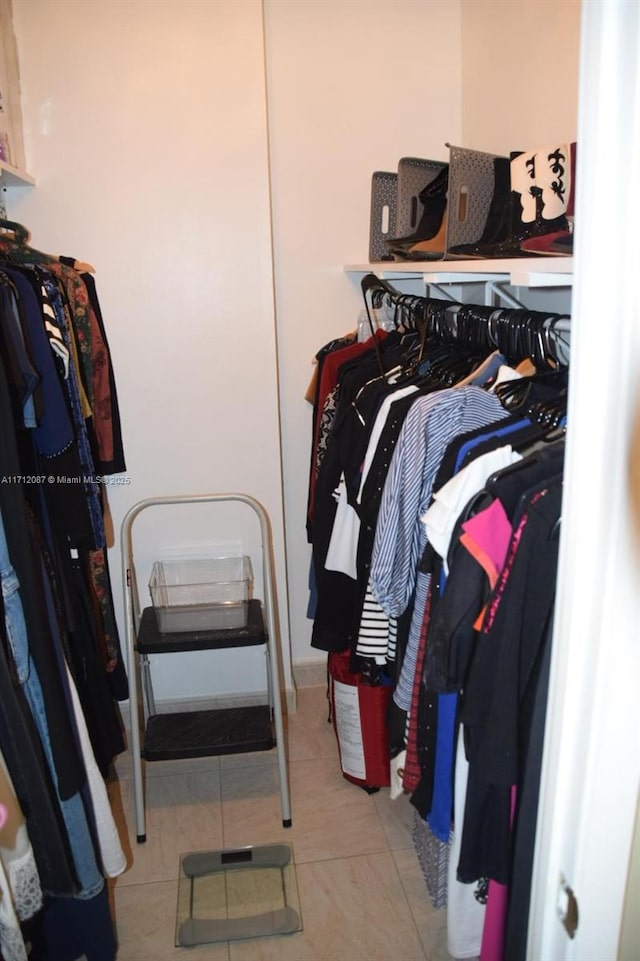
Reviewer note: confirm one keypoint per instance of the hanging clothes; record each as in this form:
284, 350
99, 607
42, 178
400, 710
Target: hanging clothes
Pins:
61, 668
436, 509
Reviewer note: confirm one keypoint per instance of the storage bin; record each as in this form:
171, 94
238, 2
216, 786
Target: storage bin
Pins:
382, 221
469, 195
201, 594
471, 185
414, 174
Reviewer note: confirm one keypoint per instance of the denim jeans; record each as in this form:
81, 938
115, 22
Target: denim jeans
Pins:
73, 813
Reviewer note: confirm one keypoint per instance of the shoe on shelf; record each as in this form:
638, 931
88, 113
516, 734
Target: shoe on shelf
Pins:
496, 228
433, 198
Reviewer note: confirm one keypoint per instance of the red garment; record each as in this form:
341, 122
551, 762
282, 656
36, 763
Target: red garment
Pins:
412, 772
328, 380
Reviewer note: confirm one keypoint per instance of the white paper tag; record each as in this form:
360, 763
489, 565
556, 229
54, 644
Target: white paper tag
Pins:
397, 773
349, 729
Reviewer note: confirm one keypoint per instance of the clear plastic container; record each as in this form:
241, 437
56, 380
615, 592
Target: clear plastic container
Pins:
201, 594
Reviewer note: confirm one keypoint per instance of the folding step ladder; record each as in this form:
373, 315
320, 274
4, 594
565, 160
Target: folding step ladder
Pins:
200, 733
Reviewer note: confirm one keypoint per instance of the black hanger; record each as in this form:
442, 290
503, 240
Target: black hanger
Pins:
519, 334
552, 335
371, 282
14, 244
376, 345
551, 413
20, 233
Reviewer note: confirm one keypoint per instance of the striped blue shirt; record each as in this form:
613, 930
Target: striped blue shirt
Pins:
431, 424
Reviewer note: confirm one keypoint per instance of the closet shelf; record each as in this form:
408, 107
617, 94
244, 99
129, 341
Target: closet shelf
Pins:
14, 177
522, 272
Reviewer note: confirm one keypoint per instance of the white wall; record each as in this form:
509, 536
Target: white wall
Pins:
353, 87
519, 73
148, 142
154, 168
145, 128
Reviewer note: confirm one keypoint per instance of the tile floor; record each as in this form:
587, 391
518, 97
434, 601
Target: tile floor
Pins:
361, 890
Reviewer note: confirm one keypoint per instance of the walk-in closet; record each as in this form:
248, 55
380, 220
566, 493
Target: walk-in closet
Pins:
245, 260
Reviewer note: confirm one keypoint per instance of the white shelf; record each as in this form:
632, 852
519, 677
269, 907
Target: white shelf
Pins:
521, 272
14, 177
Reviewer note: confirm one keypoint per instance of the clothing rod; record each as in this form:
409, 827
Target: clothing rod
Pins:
517, 331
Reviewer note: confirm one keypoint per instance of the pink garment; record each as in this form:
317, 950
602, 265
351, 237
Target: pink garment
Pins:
487, 615
486, 537
495, 919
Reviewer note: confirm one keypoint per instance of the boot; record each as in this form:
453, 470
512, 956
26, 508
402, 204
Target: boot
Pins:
498, 222
554, 181
529, 214
433, 198
432, 249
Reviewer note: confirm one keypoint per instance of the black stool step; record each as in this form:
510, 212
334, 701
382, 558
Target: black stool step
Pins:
151, 641
234, 730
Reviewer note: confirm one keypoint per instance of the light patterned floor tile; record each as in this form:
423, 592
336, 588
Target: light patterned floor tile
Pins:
361, 889
145, 917
234, 762
431, 922
331, 817
353, 909
310, 732
183, 813
397, 818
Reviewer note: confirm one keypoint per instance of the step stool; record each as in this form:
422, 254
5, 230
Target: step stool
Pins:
205, 733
